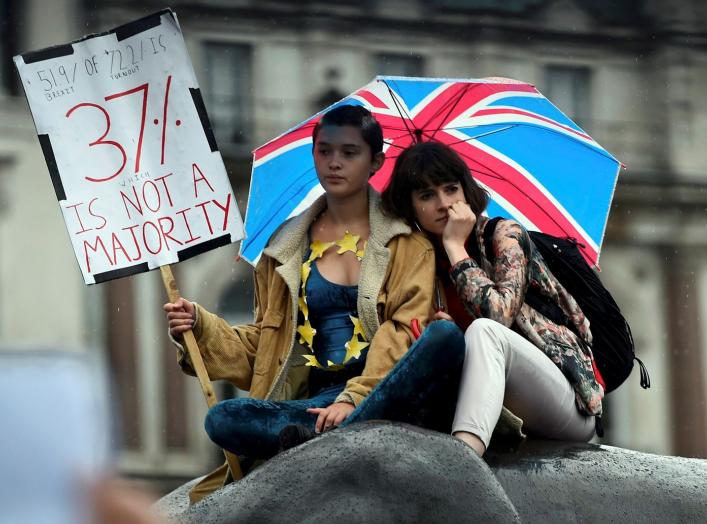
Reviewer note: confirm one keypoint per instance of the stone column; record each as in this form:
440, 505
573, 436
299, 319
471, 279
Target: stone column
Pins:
122, 356
686, 373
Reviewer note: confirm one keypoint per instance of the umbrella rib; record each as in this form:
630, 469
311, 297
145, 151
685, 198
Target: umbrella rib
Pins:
598, 150
391, 144
443, 107
400, 109
403, 114
481, 135
467, 88
454, 105
396, 137
393, 128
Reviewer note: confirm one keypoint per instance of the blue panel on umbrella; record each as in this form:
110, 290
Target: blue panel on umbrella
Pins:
580, 177
495, 210
345, 101
540, 106
277, 189
410, 91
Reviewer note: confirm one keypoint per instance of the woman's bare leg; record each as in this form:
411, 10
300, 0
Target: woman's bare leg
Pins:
472, 441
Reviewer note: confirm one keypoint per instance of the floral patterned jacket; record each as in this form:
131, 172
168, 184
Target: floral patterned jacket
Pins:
497, 292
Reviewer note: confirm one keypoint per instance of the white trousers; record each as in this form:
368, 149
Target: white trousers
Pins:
502, 368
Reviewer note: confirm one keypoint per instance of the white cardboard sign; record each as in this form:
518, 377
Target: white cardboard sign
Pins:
130, 149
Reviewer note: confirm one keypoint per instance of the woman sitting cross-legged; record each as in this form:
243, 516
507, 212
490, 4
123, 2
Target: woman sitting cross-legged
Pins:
515, 357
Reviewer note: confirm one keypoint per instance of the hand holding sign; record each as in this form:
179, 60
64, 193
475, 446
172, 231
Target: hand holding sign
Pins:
181, 316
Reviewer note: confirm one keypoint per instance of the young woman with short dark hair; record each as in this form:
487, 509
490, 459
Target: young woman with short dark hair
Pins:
515, 357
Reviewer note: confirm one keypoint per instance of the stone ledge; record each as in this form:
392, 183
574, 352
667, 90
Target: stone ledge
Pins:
382, 471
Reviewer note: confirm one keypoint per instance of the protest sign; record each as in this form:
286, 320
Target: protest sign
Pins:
130, 150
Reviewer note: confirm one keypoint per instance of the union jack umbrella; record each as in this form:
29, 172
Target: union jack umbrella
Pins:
538, 166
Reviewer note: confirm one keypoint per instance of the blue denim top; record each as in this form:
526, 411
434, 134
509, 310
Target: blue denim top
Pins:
330, 306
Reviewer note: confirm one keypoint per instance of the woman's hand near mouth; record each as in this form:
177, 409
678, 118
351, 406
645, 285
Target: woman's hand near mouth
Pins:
460, 222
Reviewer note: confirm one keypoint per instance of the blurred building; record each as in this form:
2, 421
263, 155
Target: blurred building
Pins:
633, 73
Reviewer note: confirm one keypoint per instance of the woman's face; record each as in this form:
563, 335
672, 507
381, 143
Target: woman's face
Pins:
431, 203
343, 160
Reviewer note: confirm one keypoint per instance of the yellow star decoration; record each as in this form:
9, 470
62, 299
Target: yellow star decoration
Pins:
306, 270
354, 348
348, 243
358, 330
303, 307
307, 333
312, 361
318, 248
356, 345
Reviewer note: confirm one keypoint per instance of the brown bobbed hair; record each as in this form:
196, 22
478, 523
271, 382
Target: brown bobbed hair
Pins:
428, 164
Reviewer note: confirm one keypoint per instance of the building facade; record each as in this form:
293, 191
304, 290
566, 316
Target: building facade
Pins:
632, 73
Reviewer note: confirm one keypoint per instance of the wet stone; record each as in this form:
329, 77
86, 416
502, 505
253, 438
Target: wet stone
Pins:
551, 481
370, 472
381, 471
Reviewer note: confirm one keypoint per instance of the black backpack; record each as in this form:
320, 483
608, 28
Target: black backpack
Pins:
612, 344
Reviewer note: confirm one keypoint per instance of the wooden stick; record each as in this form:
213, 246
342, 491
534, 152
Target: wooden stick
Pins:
198, 364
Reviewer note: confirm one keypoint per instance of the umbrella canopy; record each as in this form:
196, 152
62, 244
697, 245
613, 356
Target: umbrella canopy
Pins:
538, 166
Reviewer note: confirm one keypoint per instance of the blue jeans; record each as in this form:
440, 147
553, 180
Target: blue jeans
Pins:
421, 389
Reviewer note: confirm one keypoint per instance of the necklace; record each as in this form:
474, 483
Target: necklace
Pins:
358, 341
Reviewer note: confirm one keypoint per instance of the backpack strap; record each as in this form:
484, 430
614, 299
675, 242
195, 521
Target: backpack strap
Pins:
645, 377
489, 230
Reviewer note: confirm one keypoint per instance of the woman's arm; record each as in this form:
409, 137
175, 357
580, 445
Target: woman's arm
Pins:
408, 292
498, 296
229, 351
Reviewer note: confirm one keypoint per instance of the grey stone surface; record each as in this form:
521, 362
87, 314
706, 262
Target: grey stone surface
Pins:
176, 502
550, 481
370, 472
389, 472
